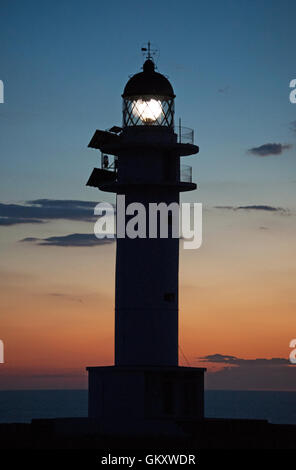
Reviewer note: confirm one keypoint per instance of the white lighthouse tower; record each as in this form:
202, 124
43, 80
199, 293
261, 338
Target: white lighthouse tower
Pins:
146, 390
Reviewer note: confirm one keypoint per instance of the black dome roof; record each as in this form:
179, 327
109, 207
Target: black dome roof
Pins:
148, 82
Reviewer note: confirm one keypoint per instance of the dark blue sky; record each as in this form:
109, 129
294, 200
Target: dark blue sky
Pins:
64, 65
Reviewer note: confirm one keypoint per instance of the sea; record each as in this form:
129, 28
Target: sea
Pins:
23, 406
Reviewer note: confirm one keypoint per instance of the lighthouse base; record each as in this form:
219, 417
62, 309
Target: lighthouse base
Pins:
144, 400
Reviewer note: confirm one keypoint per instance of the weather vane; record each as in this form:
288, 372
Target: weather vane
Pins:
148, 51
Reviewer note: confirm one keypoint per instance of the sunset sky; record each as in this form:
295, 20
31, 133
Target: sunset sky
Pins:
64, 65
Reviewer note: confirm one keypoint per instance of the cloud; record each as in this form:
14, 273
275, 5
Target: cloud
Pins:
254, 207
269, 149
73, 239
236, 361
43, 210
62, 296
7, 221
226, 372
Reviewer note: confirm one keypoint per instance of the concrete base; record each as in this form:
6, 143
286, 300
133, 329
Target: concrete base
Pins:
145, 400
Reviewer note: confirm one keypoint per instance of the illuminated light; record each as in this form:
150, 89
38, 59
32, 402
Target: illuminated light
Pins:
148, 111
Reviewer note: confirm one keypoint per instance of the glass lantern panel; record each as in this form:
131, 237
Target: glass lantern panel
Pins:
148, 111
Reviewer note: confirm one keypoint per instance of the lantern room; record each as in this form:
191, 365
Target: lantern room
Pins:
148, 99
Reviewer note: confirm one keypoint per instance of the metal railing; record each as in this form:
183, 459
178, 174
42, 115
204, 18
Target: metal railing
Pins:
185, 134
186, 173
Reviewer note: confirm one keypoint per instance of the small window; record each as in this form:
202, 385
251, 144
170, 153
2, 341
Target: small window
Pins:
169, 297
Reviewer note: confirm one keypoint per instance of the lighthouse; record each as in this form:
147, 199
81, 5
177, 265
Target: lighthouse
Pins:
146, 390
